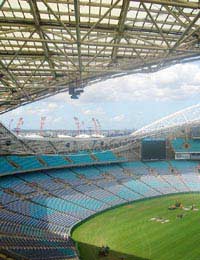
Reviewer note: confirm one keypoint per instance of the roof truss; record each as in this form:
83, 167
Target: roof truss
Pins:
47, 46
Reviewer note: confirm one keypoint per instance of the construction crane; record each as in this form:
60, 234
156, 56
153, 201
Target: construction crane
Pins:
99, 126
19, 125
95, 126
83, 127
42, 123
77, 123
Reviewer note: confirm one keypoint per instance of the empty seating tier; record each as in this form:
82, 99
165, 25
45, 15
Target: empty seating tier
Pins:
39, 209
18, 163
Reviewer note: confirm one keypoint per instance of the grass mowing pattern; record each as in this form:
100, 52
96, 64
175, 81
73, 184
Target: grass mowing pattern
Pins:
129, 233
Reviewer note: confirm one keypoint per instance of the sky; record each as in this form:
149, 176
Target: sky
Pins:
129, 102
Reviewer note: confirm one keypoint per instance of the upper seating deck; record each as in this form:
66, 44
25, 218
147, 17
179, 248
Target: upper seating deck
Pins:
18, 163
189, 145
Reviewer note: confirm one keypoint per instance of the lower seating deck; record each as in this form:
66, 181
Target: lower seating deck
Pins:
39, 209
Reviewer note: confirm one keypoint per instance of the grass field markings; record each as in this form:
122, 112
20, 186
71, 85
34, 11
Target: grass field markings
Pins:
161, 220
179, 234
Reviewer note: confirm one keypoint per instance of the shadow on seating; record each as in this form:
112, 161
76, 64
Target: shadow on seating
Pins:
91, 252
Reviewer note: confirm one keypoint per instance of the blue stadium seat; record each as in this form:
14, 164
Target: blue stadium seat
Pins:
105, 156
54, 160
80, 158
5, 166
26, 162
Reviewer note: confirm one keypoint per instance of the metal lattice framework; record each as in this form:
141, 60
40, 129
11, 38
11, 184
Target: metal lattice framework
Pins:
185, 117
50, 46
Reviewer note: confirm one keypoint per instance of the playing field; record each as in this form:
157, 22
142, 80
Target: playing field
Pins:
144, 230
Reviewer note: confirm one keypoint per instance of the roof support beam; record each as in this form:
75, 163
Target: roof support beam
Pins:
20, 49
121, 22
13, 78
180, 3
184, 35
78, 37
59, 20
36, 15
157, 27
102, 17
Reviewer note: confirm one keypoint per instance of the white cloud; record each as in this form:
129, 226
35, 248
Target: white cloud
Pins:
174, 83
97, 112
118, 118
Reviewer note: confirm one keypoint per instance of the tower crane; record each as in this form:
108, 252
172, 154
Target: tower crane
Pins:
42, 123
19, 125
77, 123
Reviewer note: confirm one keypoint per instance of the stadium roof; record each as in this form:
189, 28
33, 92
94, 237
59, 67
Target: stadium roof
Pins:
189, 116
49, 46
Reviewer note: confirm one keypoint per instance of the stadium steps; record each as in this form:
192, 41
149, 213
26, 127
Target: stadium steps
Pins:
93, 157
181, 179
19, 220
28, 231
164, 179
125, 200
41, 190
81, 192
139, 179
49, 194
123, 184
155, 173
68, 159
178, 174
24, 216
12, 163
153, 188
74, 188
56, 210
42, 161
95, 183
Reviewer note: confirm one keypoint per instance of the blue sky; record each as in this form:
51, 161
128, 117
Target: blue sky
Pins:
127, 102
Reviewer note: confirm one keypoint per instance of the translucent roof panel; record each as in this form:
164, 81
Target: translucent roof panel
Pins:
49, 46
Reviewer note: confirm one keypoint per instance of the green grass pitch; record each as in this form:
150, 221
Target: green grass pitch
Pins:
131, 235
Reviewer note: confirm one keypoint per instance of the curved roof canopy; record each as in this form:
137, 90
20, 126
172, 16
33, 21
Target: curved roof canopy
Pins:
49, 46
189, 116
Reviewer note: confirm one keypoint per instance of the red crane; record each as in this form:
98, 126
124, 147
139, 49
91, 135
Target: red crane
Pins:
19, 125
95, 126
99, 126
42, 122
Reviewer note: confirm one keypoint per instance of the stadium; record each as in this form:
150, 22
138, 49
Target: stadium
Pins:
133, 197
